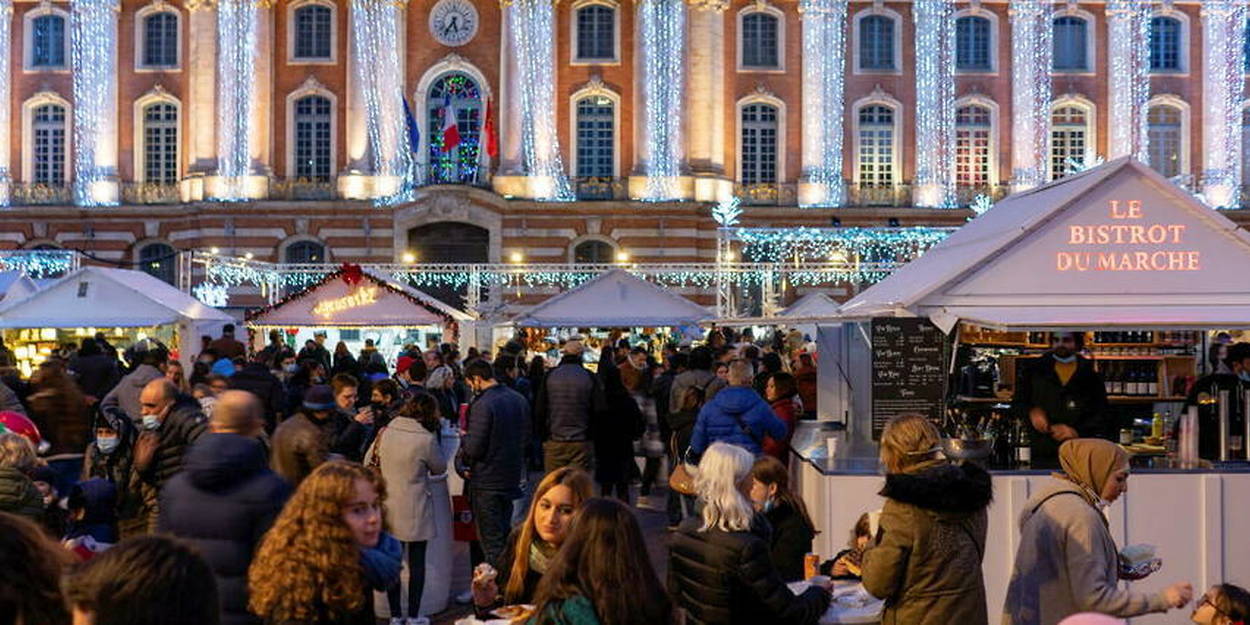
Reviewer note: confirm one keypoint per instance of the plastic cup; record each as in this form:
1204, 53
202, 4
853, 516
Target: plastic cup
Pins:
831, 446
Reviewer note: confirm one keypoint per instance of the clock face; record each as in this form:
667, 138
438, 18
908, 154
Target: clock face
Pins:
453, 22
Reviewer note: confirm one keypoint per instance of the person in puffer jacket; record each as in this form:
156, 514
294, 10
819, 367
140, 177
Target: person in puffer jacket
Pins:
737, 415
171, 423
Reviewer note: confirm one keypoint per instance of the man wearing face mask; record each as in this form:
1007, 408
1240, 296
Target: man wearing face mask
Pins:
1233, 377
1062, 397
171, 422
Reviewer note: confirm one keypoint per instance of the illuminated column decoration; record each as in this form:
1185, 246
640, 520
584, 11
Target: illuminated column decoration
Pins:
1223, 41
6, 137
1129, 58
201, 107
705, 92
824, 71
1031, 59
237, 26
93, 57
376, 27
935, 103
532, 29
663, 51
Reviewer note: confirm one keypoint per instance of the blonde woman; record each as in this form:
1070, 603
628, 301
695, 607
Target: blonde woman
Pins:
720, 570
18, 494
927, 562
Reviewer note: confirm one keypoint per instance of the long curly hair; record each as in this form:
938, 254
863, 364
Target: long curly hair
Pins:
308, 561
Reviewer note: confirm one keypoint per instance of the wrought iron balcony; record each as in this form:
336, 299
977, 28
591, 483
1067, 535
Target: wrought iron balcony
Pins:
150, 193
31, 194
885, 195
767, 194
595, 188
302, 189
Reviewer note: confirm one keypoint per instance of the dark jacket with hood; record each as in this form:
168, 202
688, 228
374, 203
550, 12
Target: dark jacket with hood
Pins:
222, 503
97, 497
728, 578
926, 564
18, 495
300, 444
97, 374
719, 421
183, 424
114, 466
256, 379
493, 447
619, 427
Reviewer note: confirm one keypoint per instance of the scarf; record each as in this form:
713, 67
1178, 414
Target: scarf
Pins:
1089, 463
541, 554
383, 562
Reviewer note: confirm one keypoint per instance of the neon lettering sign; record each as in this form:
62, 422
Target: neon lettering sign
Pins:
362, 297
1120, 245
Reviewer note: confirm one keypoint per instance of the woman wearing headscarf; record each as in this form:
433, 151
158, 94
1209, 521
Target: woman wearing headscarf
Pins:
1067, 561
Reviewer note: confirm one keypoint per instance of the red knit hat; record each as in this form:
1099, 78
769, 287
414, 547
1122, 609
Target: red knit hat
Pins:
402, 364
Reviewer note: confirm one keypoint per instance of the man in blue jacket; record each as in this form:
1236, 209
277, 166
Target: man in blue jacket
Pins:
737, 415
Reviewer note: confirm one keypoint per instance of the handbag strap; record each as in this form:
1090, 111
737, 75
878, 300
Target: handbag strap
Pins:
375, 458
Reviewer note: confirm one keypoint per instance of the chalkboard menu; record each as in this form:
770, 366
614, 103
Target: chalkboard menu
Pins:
908, 370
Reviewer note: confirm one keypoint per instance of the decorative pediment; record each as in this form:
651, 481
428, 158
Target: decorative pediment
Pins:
763, 91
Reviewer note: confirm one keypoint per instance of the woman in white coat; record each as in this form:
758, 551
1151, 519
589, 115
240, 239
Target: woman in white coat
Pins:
406, 452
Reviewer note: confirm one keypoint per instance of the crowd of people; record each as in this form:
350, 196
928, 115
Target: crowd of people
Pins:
279, 486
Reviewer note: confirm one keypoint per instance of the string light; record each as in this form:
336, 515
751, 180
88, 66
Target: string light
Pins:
935, 103
1032, 51
1128, 32
824, 71
663, 50
6, 34
93, 56
376, 25
1223, 41
532, 26
726, 213
808, 244
236, 81
39, 264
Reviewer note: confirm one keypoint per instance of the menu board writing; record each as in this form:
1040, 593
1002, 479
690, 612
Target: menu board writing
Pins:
908, 376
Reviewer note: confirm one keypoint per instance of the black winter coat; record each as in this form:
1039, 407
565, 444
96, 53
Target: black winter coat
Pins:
184, 423
570, 400
1081, 403
497, 436
256, 379
96, 374
728, 578
615, 432
18, 495
791, 540
222, 503
114, 467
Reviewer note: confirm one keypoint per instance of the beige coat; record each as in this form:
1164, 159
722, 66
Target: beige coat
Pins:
409, 455
1068, 563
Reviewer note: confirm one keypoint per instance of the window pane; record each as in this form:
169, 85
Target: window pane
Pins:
312, 32
160, 143
875, 149
595, 138
1165, 44
459, 165
596, 32
305, 252
592, 252
312, 138
876, 42
1164, 130
160, 40
48, 42
159, 261
1068, 139
972, 44
973, 148
1070, 52
48, 126
759, 40
759, 144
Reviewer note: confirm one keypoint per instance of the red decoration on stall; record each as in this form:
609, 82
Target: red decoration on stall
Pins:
352, 274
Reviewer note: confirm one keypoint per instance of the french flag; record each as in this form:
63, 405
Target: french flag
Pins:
451, 133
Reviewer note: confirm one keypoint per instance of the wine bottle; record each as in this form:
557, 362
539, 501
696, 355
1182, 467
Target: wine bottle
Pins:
1024, 443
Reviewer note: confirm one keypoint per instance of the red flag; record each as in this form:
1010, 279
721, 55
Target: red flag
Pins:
492, 138
451, 130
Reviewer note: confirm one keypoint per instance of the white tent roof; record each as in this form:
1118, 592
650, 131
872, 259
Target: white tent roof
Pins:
389, 303
15, 285
1115, 245
811, 305
615, 299
101, 296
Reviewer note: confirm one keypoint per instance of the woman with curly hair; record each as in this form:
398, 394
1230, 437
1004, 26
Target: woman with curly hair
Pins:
326, 552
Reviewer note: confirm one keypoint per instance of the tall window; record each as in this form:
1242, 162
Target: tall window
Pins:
759, 144
595, 137
1165, 44
876, 43
875, 149
160, 143
305, 252
312, 137
458, 95
313, 32
596, 32
972, 44
592, 252
1071, 54
159, 261
48, 128
48, 41
160, 40
1164, 130
973, 146
759, 40
1069, 139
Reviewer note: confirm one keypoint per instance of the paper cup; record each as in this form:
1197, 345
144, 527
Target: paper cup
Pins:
831, 446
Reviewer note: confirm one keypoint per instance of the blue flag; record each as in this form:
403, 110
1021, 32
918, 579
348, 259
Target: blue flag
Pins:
414, 133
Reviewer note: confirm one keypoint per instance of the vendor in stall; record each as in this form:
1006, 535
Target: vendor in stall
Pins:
1233, 375
1062, 397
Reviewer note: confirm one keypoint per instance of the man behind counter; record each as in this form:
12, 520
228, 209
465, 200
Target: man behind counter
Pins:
1234, 377
1062, 396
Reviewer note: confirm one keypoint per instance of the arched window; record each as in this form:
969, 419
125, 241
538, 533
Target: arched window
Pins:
876, 43
160, 40
48, 41
973, 145
1165, 44
759, 144
592, 252
304, 252
1164, 130
1070, 44
595, 137
973, 38
454, 94
48, 153
159, 261
160, 143
760, 39
312, 127
875, 146
314, 26
1069, 139
596, 33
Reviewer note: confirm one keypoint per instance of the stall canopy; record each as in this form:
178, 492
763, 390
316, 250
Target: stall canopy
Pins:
1115, 245
616, 299
351, 297
106, 297
811, 305
15, 285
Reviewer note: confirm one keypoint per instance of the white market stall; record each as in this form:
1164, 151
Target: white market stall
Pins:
125, 304
1116, 246
15, 285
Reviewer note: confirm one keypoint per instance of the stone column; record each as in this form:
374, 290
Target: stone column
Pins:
200, 111
6, 132
935, 103
1223, 86
95, 101
824, 68
1032, 43
1128, 53
705, 100
661, 42
262, 105
239, 37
